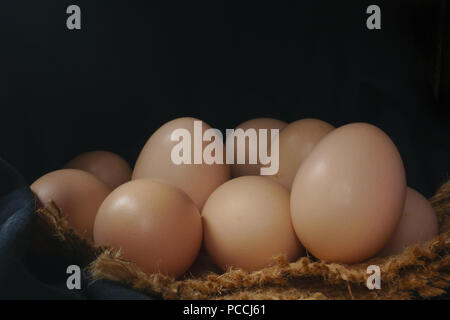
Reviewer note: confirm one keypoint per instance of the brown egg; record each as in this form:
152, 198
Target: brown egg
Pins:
109, 167
155, 224
296, 141
246, 222
348, 196
78, 194
417, 225
197, 180
247, 169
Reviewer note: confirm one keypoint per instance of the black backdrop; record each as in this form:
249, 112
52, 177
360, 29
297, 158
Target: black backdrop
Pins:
137, 64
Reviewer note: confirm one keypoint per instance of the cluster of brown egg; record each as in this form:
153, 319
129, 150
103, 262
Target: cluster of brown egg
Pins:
340, 193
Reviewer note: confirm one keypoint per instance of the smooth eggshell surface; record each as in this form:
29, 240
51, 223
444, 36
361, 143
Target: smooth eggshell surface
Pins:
247, 169
197, 180
78, 194
247, 222
417, 225
109, 167
348, 196
297, 140
156, 225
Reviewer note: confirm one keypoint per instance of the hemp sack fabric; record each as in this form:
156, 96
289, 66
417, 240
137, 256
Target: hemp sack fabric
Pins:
421, 271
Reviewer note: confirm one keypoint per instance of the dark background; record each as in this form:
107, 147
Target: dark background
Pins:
137, 64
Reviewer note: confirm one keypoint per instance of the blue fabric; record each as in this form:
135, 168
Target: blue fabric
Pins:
19, 271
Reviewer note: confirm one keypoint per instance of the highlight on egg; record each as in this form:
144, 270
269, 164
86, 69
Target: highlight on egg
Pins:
154, 224
246, 224
348, 195
198, 181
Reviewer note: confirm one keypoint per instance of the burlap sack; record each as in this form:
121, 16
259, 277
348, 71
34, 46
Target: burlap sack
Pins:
419, 272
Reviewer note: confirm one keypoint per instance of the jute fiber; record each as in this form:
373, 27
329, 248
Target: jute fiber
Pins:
420, 271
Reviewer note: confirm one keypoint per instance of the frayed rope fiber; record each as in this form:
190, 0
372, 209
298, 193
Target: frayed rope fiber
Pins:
420, 271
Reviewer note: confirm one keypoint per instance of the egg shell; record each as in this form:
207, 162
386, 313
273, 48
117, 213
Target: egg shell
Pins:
417, 225
247, 169
348, 196
296, 141
156, 225
109, 167
197, 180
247, 222
78, 194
